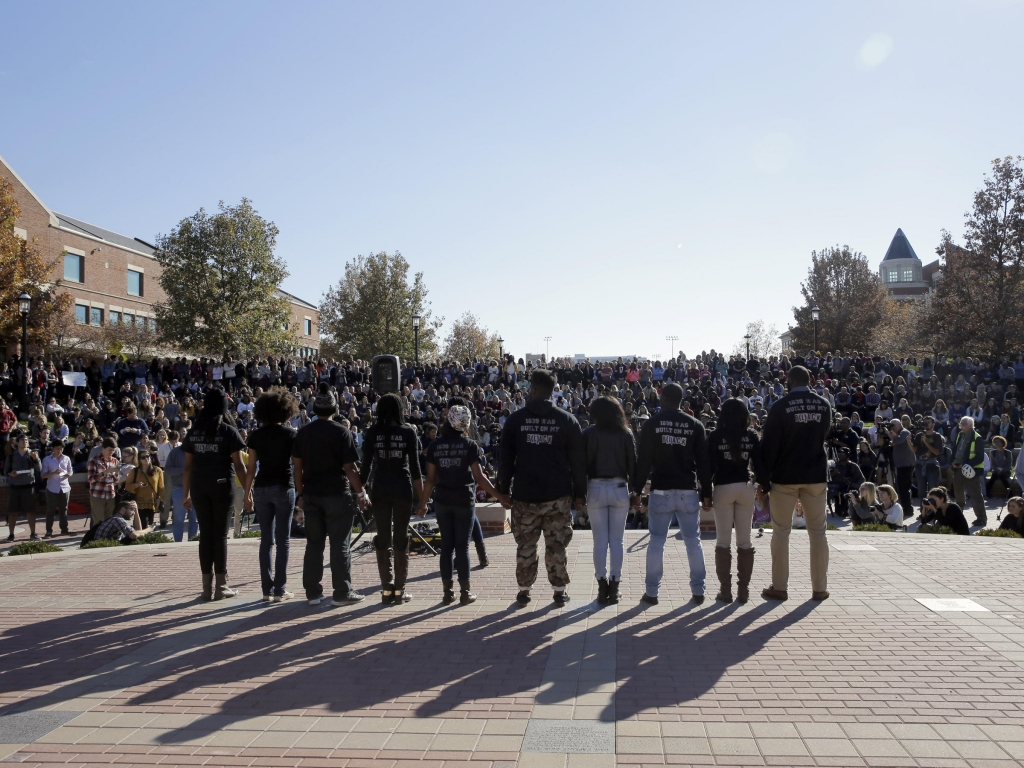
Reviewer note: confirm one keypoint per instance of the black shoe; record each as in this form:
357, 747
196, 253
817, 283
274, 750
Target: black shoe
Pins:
350, 599
698, 599
523, 598
980, 523
48, 535
561, 598
65, 532
401, 596
33, 537
449, 593
613, 592
11, 537
602, 591
387, 597
481, 553
649, 599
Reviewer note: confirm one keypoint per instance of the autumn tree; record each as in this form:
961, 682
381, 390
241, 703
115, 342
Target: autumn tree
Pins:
468, 340
136, 340
369, 312
902, 328
22, 268
220, 275
976, 305
69, 338
850, 295
764, 341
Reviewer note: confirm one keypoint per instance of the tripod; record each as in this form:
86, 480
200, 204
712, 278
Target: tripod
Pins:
366, 524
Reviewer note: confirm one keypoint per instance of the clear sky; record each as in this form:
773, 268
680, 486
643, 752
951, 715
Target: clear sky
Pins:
602, 173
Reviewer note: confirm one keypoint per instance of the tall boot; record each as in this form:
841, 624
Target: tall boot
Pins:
481, 553
401, 572
744, 567
449, 591
387, 579
223, 590
207, 586
465, 596
723, 567
613, 591
602, 591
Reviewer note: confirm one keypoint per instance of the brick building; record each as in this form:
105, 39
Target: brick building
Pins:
112, 277
903, 273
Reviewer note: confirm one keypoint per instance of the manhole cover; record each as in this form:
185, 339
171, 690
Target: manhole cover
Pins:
950, 604
577, 736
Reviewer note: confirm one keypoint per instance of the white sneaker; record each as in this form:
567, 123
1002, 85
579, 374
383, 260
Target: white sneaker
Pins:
267, 598
282, 597
314, 600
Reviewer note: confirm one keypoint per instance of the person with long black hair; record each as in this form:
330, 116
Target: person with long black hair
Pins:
733, 447
611, 460
212, 461
391, 452
453, 473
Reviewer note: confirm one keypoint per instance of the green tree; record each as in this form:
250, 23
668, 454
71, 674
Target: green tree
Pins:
467, 340
850, 296
220, 276
369, 312
976, 306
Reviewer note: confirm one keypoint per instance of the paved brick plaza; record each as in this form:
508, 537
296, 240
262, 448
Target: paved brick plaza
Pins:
107, 657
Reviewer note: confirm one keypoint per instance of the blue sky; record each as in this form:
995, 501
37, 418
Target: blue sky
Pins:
602, 173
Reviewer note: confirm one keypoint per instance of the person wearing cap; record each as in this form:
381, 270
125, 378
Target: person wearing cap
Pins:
453, 474
325, 471
56, 471
793, 453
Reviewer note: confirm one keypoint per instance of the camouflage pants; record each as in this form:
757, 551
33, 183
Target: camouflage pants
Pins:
554, 520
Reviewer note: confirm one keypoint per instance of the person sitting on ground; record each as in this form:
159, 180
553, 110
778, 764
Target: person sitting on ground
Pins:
1000, 460
125, 524
1014, 520
938, 510
863, 504
890, 512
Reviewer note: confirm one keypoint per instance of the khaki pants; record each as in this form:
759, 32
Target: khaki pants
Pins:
962, 486
102, 509
733, 506
783, 501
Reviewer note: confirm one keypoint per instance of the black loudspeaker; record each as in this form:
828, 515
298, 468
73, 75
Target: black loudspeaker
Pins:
386, 376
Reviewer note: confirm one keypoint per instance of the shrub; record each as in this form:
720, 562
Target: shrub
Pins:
1002, 533
766, 527
943, 529
249, 535
873, 527
33, 548
101, 544
831, 527
153, 537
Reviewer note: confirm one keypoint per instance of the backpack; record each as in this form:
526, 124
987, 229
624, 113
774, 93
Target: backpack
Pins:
90, 535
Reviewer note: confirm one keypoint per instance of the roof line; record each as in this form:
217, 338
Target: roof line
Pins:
296, 298
98, 239
53, 217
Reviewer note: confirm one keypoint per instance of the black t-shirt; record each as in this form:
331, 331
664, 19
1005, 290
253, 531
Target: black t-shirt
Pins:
212, 466
325, 447
273, 446
454, 457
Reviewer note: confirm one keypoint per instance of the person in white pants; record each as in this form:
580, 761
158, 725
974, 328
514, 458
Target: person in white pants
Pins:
611, 459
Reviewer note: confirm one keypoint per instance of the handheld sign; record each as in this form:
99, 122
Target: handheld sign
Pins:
73, 378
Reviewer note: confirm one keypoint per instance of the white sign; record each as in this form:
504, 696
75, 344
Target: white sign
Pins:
73, 378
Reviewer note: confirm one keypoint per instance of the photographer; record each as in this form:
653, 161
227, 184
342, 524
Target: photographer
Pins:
938, 510
928, 445
846, 475
843, 436
863, 505
903, 460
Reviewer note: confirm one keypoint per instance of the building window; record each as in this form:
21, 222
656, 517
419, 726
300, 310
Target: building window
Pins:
74, 268
907, 274
81, 314
128, 319
95, 316
151, 323
140, 321
307, 327
134, 283
115, 317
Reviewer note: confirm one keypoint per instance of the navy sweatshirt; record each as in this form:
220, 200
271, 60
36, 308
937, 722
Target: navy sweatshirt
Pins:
542, 456
793, 440
673, 452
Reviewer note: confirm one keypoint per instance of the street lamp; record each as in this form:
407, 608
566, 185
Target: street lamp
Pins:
747, 339
416, 335
547, 352
816, 316
673, 340
25, 307
501, 348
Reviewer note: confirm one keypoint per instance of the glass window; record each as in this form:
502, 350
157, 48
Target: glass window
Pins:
73, 268
115, 317
907, 275
140, 321
308, 327
129, 319
151, 322
134, 283
81, 314
95, 316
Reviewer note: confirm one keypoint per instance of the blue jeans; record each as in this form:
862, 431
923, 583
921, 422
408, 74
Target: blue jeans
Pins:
328, 516
684, 505
178, 514
274, 505
608, 507
456, 524
927, 478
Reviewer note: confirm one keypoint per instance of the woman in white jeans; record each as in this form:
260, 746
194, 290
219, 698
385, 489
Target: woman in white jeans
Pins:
733, 447
611, 459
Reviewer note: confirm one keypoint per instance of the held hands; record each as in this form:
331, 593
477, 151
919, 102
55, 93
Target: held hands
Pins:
634, 501
248, 502
505, 500
421, 510
187, 502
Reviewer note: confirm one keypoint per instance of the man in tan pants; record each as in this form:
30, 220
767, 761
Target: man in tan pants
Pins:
793, 451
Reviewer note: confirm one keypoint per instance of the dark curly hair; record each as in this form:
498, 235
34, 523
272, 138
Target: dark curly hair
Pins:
275, 406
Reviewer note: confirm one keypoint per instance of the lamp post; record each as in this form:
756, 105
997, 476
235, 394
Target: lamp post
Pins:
501, 348
672, 340
416, 335
25, 307
816, 316
547, 349
747, 339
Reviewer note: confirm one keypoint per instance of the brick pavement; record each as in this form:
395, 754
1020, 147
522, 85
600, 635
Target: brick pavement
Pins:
113, 644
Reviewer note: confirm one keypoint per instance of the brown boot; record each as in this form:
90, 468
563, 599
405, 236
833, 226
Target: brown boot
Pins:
207, 586
723, 566
744, 567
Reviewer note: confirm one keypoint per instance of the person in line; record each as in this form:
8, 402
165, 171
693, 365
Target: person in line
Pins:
733, 447
793, 452
174, 476
453, 474
126, 523
391, 454
20, 467
940, 511
270, 487
542, 466
146, 481
325, 472
212, 460
57, 472
673, 453
611, 461
969, 469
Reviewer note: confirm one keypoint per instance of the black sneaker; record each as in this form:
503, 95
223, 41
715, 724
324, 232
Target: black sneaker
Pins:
561, 598
11, 537
649, 599
980, 523
523, 598
350, 599
48, 535
698, 599
33, 537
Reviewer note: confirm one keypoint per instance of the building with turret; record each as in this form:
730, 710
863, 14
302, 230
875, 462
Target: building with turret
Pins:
904, 275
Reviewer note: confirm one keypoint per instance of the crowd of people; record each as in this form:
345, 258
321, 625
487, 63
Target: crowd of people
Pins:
193, 443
